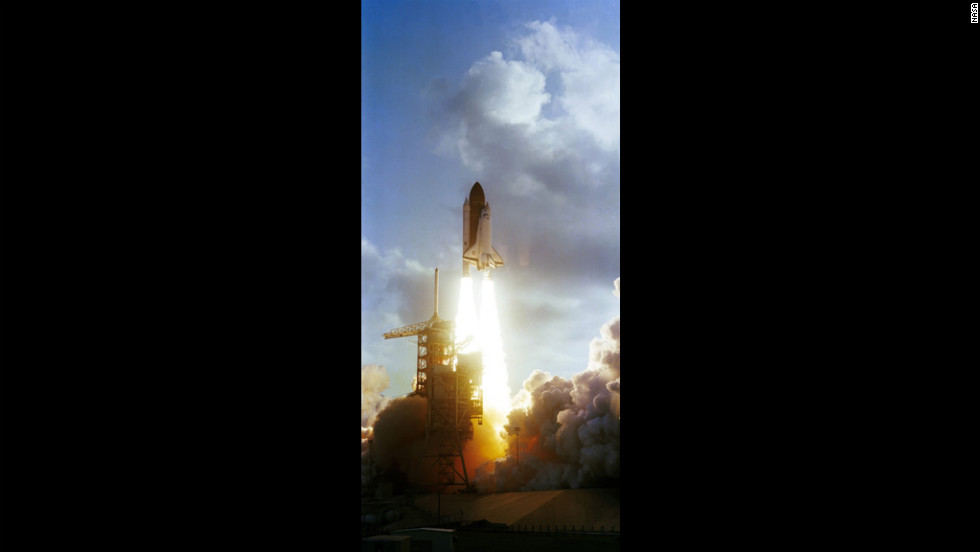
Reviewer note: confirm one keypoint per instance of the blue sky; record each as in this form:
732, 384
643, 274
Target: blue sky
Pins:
524, 98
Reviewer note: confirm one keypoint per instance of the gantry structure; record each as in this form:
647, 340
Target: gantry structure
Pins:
451, 384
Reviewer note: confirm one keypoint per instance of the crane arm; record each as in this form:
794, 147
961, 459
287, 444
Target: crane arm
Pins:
411, 329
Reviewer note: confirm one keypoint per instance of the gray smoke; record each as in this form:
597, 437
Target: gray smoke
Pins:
569, 434
394, 444
389, 427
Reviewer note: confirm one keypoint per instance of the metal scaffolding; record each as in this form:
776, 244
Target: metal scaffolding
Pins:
451, 384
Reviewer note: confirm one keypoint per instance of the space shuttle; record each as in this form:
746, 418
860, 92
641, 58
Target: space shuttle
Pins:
478, 233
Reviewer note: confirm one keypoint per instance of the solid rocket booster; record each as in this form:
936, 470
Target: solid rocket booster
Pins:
478, 233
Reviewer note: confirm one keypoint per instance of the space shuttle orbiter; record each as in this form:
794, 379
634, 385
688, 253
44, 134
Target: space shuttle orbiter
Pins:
478, 233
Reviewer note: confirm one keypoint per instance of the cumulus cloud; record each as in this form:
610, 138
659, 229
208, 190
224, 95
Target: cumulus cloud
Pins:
504, 131
589, 74
395, 291
390, 284
508, 92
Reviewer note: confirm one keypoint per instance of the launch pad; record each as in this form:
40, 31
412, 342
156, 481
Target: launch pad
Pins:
451, 383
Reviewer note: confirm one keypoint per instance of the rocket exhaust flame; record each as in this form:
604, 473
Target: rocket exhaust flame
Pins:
496, 393
483, 333
466, 320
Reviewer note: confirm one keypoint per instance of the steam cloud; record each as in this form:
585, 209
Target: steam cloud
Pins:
399, 436
569, 434
374, 380
392, 431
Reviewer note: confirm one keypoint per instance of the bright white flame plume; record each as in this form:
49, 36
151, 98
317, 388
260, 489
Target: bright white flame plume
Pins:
484, 334
496, 393
466, 320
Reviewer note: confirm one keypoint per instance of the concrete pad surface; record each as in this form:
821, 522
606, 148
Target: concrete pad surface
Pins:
588, 508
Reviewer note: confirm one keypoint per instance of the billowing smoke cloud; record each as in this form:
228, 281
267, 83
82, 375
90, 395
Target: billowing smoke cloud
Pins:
569, 434
374, 380
397, 440
392, 432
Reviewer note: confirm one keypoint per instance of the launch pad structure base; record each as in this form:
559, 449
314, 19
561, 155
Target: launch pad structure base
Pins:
451, 384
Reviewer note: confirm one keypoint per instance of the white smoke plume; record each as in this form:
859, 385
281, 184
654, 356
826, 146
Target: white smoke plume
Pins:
569, 434
374, 380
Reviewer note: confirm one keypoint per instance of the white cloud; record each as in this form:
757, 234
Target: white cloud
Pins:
501, 131
589, 73
392, 295
592, 100
510, 92
549, 48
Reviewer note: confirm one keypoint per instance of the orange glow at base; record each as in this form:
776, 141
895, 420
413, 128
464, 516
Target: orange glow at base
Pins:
485, 446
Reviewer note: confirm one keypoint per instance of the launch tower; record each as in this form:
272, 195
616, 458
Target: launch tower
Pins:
450, 382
